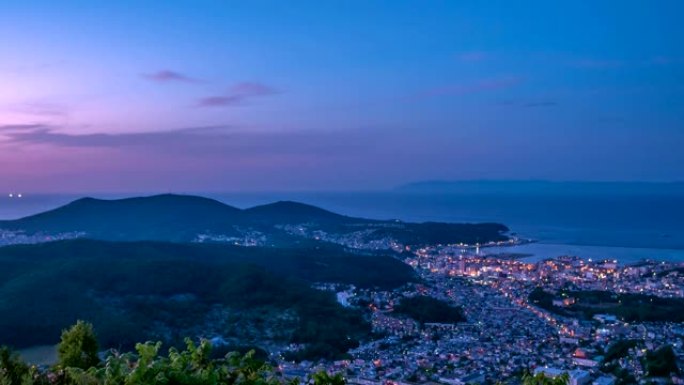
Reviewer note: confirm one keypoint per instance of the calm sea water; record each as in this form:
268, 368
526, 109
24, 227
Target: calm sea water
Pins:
626, 227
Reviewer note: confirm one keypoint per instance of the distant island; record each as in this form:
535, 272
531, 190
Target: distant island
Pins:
541, 187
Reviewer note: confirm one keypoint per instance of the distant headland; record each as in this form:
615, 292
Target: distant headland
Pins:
542, 187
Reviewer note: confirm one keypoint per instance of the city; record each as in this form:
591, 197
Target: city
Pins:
505, 335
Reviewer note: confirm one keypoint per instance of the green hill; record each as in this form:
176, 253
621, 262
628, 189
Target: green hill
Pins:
167, 291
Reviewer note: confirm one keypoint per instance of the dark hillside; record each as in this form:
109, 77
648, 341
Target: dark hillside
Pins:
161, 217
181, 218
167, 291
294, 212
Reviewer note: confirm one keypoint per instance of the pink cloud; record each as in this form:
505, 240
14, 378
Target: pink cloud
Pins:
39, 157
219, 101
168, 76
252, 89
237, 94
40, 108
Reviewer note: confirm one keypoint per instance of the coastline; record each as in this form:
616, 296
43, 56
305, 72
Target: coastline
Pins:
628, 229
540, 250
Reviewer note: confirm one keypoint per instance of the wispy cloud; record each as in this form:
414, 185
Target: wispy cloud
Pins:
217, 158
168, 76
237, 94
196, 141
39, 108
10, 129
51, 135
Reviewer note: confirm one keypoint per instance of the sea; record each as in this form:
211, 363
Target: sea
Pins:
625, 227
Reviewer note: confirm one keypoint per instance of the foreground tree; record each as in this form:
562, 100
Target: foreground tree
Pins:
194, 365
661, 362
79, 365
324, 378
78, 347
541, 379
12, 369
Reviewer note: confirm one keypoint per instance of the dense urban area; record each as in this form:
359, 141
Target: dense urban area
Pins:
597, 321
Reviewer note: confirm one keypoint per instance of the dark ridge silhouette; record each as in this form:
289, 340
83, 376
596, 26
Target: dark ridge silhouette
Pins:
181, 218
291, 212
160, 217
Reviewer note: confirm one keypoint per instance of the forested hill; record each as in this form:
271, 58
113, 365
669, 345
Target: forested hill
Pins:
167, 291
162, 217
180, 218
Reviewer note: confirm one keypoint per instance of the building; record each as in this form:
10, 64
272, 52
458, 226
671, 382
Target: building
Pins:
604, 380
605, 318
579, 377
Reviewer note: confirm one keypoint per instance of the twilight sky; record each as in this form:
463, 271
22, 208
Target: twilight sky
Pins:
131, 96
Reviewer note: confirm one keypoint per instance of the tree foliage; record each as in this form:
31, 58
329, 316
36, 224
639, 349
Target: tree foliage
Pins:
192, 365
12, 369
542, 379
78, 347
661, 362
629, 307
138, 291
619, 349
427, 309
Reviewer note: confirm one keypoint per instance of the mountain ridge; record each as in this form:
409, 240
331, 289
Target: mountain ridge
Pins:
186, 218
290, 209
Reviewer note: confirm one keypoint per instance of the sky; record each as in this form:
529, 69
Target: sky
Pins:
131, 96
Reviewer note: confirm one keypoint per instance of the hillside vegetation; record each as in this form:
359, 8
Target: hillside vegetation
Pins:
195, 364
165, 291
429, 310
626, 306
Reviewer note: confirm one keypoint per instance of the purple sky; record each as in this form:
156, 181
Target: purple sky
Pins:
350, 95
